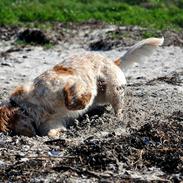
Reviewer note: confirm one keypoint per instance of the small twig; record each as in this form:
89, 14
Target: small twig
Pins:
50, 157
81, 171
166, 149
140, 157
44, 157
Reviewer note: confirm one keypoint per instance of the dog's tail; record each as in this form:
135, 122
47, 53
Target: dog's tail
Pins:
138, 52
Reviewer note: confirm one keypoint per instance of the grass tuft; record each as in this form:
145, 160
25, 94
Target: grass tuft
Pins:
158, 14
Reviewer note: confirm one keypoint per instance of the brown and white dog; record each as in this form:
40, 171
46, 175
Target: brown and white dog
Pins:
68, 89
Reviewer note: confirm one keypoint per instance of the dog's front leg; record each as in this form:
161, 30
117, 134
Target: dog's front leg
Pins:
117, 99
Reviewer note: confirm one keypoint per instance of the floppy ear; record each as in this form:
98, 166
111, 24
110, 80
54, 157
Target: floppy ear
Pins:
75, 98
8, 117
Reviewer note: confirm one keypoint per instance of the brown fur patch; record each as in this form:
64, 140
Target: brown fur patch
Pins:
69, 93
8, 118
117, 62
84, 100
72, 101
59, 69
18, 91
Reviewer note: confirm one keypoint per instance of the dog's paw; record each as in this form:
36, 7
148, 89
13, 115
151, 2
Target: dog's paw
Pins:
56, 133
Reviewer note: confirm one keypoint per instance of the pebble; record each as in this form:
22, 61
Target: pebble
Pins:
6, 64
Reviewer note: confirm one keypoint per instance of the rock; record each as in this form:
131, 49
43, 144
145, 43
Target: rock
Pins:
103, 45
6, 64
33, 36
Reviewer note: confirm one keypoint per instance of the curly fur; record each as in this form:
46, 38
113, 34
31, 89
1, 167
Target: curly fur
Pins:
8, 118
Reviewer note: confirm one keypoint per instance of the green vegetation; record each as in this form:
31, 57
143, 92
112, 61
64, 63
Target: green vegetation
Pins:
158, 14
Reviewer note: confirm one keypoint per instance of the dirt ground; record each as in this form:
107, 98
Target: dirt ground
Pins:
96, 147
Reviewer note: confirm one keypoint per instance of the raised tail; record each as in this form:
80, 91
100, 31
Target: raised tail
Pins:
138, 52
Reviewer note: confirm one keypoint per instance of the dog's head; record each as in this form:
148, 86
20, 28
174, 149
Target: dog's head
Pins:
8, 117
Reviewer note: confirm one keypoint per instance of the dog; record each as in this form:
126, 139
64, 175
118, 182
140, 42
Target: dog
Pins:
69, 89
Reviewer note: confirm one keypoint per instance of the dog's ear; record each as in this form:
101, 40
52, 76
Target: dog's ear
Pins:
75, 97
8, 118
